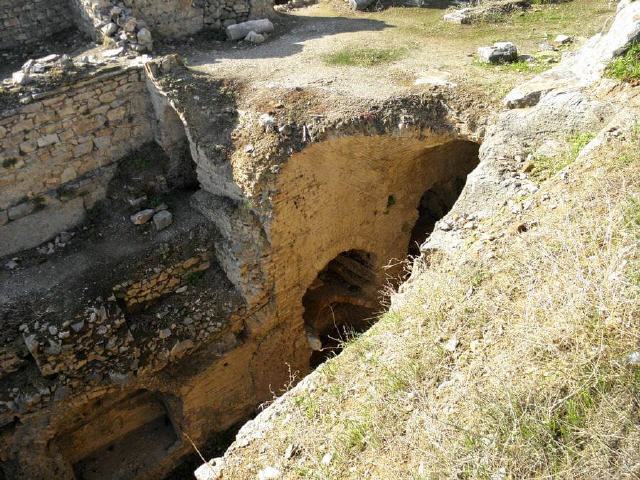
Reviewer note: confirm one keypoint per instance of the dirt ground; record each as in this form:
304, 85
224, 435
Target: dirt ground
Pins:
428, 50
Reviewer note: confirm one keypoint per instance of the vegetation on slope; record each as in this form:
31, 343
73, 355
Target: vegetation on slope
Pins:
508, 361
627, 66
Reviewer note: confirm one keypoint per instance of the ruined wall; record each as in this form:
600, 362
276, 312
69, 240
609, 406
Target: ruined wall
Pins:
169, 18
26, 22
56, 153
177, 18
88, 15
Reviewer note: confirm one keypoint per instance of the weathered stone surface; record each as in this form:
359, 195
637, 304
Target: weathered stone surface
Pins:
239, 31
500, 52
34, 229
162, 219
142, 217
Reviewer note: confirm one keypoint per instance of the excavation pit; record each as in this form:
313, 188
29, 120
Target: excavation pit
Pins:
354, 208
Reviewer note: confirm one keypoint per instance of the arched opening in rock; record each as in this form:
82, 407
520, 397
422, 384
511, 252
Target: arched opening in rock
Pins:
342, 299
436, 202
104, 440
381, 193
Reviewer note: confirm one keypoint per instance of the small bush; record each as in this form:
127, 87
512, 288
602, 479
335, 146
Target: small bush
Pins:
363, 57
627, 66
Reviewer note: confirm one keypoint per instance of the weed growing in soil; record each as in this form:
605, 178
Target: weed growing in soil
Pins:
627, 66
363, 57
545, 167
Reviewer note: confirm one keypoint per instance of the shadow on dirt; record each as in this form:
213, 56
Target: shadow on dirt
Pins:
287, 40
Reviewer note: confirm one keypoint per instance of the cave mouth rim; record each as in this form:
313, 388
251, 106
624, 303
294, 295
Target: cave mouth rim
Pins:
342, 298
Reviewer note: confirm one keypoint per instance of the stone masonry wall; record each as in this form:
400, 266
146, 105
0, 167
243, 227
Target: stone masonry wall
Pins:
176, 18
29, 21
58, 152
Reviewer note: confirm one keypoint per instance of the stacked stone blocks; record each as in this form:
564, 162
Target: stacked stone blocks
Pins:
26, 22
62, 148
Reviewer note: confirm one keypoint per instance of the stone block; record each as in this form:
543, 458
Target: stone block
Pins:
34, 229
83, 149
47, 140
500, 52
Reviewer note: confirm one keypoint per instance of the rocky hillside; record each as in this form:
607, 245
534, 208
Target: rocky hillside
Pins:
513, 351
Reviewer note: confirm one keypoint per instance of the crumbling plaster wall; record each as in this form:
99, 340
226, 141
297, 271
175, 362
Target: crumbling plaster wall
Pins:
26, 22
56, 153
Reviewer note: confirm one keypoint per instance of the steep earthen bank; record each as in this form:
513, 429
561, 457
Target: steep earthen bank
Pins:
115, 334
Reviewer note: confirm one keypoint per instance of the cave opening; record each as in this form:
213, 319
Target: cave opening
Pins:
341, 300
439, 199
106, 442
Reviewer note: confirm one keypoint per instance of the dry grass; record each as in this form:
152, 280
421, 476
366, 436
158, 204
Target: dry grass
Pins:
537, 385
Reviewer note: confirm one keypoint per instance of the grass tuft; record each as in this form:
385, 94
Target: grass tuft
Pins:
364, 57
545, 167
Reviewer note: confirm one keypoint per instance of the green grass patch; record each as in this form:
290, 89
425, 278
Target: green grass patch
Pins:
363, 57
192, 278
626, 67
521, 66
546, 167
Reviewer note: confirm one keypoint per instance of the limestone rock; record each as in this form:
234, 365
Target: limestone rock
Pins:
145, 38
109, 30
20, 78
461, 17
500, 52
142, 216
269, 473
162, 219
254, 37
239, 31
360, 4
209, 470
563, 39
